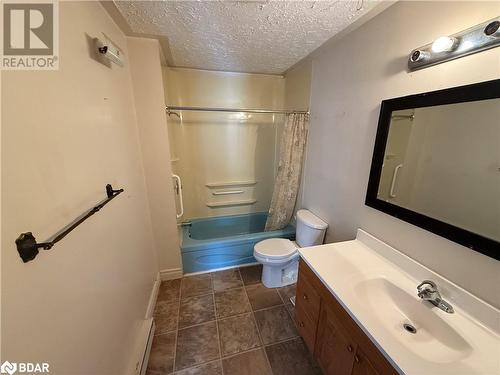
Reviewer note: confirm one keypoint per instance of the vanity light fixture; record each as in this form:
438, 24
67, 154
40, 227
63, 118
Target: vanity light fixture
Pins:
478, 38
444, 44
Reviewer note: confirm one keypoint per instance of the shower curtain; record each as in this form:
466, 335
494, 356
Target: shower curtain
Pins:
286, 186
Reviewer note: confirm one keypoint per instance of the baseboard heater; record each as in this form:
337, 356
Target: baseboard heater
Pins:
141, 370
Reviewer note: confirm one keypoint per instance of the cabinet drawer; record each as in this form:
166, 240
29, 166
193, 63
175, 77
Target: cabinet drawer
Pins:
307, 298
306, 327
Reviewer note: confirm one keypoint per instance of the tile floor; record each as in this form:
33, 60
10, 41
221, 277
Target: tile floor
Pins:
227, 323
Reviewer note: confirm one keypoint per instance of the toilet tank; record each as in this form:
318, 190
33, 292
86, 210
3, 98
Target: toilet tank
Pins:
310, 229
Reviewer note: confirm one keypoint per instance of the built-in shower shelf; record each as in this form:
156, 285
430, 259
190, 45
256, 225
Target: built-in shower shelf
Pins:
230, 183
227, 192
232, 203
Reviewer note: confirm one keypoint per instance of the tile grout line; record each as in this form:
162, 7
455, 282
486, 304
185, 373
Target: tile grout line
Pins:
216, 324
285, 303
243, 352
279, 294
196, 325
195, 366
177, 326
217, 318
269, 308
220, 318
282, 341
257, 326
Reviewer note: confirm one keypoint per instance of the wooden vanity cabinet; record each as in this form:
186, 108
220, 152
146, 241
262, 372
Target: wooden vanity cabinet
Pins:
336, 341
363, 366
334, 350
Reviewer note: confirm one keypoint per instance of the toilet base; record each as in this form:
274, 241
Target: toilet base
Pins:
279, 276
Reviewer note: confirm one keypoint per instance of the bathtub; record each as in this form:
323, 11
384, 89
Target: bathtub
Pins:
218, 242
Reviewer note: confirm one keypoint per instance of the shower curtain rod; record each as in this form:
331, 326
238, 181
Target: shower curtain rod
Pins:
247, 110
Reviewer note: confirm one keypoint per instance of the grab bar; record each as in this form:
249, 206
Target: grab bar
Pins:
393, 183
230, 183
27, 246
178, 188
230, 204
227, 192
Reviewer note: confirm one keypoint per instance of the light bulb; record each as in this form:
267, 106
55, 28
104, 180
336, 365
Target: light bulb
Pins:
444, 44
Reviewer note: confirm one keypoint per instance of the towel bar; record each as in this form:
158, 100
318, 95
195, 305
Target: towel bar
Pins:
26, 242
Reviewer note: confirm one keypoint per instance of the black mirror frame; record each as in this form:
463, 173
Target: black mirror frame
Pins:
479, 91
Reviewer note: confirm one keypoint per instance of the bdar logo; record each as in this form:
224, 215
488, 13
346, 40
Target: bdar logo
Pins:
8, 368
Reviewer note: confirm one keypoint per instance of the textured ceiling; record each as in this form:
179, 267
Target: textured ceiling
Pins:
242, 36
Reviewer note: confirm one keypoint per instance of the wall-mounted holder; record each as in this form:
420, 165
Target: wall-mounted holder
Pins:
107, 50
475, 39
26, 242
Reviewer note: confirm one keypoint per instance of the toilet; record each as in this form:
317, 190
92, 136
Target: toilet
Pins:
280, 256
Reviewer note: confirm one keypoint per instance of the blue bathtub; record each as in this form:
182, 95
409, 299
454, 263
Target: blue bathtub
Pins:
225, 241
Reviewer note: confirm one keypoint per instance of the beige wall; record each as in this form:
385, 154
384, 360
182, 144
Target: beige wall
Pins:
298, 97
224, 147
298, 86
350, 78
65, 134
152, 123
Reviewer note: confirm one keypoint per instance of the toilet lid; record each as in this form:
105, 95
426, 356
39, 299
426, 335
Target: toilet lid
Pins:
275, 248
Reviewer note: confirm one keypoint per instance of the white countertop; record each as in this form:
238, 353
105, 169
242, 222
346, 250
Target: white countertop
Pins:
377, 285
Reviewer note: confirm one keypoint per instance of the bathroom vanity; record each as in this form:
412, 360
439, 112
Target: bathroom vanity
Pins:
339, 345
358, 311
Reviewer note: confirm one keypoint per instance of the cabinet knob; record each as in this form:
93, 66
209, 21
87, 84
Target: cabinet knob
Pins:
305, 297
349, 348
301, 324
356, 359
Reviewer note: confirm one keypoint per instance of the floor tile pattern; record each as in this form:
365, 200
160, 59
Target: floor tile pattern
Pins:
226, 323
196, 310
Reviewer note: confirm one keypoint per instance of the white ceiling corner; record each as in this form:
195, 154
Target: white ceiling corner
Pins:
241, 36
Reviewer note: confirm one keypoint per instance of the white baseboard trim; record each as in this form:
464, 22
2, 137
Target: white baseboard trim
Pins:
152, 297
221, 269
170, 274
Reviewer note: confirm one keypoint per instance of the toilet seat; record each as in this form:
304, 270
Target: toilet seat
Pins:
275, 248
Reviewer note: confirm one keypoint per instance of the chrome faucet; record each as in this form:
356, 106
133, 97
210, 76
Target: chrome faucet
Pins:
427, 290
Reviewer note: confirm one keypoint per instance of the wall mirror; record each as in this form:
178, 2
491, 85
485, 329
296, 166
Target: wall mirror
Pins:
436, 164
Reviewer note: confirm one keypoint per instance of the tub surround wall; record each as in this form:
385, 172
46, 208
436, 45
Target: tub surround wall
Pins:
213, 147
65, 135
351, 76
149, 98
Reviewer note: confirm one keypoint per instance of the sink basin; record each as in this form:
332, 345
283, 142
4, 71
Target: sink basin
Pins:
434, 340
377, 285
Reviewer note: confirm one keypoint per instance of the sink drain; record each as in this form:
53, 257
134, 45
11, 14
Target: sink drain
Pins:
409, 328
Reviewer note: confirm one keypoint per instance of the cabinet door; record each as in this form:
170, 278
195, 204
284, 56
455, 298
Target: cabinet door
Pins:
362, 365
306, 327
307, 298
334, 349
